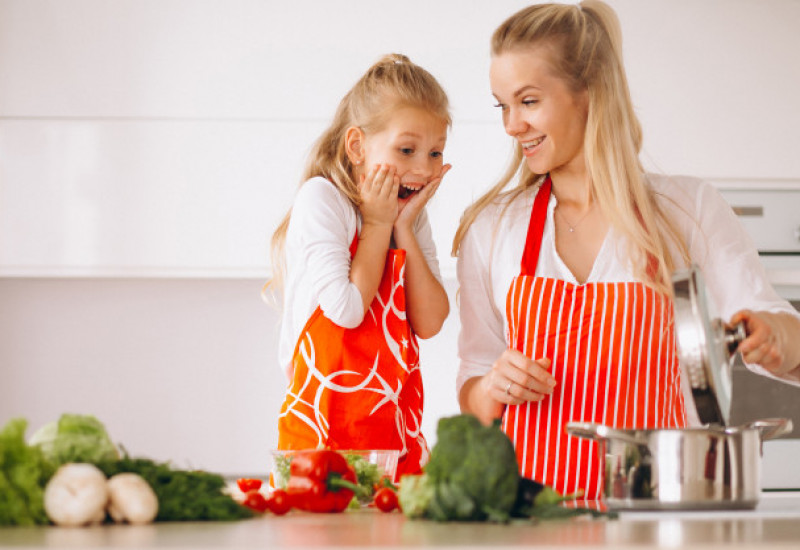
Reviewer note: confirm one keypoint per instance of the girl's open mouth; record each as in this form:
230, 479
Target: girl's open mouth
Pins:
407, 190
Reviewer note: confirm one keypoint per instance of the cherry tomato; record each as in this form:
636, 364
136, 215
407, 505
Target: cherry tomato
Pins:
385, 500
255, 501
247, 484
278, 502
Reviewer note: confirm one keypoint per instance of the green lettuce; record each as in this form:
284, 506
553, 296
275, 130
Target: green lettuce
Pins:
75, 438
24, 472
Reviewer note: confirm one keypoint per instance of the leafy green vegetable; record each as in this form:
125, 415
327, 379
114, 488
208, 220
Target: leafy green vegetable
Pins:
535, 499
24, 471
367, 476
183, 495
283, 466
75, 438
472, 474
415, 495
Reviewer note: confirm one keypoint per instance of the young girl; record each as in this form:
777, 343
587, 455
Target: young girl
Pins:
361, 276
565, 276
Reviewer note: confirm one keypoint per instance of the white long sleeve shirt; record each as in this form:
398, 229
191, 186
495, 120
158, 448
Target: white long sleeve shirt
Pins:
491, 252
321, 229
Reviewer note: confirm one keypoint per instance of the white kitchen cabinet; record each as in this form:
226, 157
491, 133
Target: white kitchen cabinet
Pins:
166, 138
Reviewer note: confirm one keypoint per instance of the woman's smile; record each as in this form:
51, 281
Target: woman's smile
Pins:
530, 147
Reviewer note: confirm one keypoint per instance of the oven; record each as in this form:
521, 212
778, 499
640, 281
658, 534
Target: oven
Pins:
771, 215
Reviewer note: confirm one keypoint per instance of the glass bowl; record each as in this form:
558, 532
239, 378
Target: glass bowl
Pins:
370, 466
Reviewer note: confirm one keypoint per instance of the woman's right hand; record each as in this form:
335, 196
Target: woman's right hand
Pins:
516, 379
378, 190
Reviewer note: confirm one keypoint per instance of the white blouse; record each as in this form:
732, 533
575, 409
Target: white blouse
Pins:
492, 249
321, 229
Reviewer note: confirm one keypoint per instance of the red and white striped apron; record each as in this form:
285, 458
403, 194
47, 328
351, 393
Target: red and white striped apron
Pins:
613, 354
359, 388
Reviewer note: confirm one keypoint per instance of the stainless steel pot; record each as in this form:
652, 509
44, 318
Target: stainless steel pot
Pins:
712, 467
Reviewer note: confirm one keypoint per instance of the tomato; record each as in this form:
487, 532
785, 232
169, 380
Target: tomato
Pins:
247, 484
385, 499
278, 502
255, 501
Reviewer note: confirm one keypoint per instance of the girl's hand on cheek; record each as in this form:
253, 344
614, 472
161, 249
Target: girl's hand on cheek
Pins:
378, 190
411, 208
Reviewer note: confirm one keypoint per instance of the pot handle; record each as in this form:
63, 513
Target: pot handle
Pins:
771, 428
586, 430
598, 432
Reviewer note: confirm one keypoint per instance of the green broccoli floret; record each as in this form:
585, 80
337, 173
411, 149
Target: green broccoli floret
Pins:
473, 473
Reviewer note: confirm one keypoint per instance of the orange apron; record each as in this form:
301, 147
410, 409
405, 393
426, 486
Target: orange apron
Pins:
614, 358
359, 388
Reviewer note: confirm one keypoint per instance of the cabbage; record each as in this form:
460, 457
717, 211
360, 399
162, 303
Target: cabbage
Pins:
74, 438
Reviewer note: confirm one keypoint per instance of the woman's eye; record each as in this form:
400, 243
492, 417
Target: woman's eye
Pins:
501, 106
529, 102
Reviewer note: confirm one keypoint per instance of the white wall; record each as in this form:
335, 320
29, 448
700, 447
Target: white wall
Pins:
147, 148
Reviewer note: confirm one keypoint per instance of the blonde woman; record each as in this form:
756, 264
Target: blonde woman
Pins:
564, 266
361, 275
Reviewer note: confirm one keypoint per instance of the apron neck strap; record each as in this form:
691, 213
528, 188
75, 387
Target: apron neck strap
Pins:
354, 245
533, 242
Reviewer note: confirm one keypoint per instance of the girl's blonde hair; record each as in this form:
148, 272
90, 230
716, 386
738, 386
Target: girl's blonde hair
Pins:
585, 42
391, 83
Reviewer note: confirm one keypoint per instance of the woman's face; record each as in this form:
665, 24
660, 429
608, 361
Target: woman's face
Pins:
539, 110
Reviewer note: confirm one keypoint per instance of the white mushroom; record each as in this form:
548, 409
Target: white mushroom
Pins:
76, 495
131, 499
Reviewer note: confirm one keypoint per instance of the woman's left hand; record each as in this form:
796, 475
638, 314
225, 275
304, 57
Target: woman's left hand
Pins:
763, 345
409, 210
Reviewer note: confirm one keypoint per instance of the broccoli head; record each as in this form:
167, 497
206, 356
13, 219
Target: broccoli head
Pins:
473, 471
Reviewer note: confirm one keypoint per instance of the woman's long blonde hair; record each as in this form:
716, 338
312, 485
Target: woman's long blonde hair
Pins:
391, 83
586, 45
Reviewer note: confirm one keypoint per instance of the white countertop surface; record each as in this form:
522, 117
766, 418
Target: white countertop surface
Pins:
774, 524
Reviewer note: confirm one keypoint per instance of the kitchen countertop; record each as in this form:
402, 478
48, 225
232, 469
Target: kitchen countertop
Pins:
774, 524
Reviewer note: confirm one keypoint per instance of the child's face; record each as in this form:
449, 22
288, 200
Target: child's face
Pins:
413, 142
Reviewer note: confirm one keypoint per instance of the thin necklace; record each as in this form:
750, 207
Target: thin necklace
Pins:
573, 227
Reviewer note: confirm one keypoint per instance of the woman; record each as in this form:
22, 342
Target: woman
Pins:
565, 293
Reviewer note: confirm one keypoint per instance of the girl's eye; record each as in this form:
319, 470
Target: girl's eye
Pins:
407, 150
436, 154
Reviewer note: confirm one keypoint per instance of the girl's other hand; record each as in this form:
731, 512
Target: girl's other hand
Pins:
762, 346
378, 190
410, 209
516, 379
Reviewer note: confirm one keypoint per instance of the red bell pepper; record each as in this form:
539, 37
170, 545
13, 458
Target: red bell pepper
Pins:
321, 481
